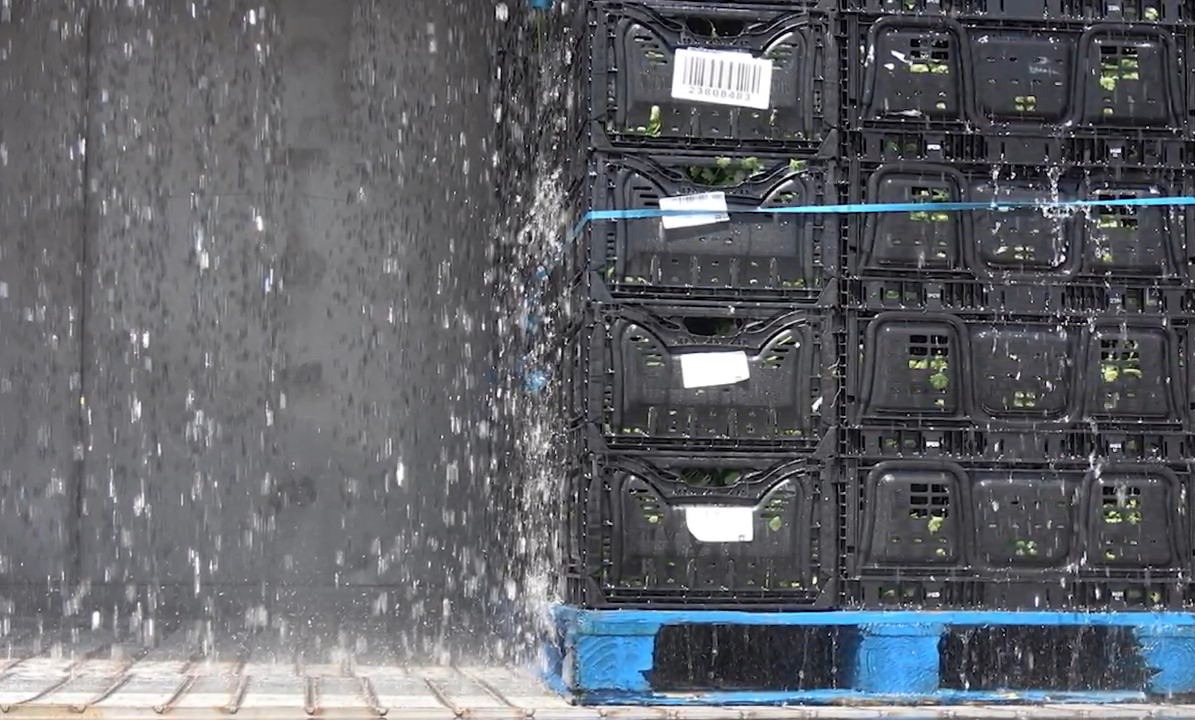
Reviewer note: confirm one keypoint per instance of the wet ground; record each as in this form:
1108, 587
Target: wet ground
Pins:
246, 328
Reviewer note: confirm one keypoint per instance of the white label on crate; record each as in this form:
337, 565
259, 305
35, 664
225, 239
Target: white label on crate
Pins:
708, 207
723, 78
718, 523
713, 368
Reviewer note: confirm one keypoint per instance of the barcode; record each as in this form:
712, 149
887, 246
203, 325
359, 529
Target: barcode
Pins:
713, 74
702, 199
726, 78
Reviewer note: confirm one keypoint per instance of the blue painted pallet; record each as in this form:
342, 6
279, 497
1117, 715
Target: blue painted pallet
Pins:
610, 656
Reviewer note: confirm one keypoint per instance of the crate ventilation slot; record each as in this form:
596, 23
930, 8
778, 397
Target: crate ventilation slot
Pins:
650, 47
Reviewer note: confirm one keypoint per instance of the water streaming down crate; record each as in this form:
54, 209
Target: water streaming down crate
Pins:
1116, 242
985, 372
1050, 78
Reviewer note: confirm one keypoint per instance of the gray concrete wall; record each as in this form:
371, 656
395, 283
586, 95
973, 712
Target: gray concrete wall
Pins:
269, 277
42, 98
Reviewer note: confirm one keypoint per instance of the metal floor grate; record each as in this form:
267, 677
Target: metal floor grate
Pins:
95, 677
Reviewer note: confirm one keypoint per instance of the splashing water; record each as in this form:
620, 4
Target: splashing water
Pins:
279, 325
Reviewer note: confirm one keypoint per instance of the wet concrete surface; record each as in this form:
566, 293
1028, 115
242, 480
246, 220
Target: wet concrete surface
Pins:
42, 87
245, 324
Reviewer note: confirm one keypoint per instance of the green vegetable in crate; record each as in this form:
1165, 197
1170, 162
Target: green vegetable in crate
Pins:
654, 123
938, 365
701, 477
1120, 363
725, 172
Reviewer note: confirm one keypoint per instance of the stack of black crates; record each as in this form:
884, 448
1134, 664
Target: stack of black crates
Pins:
882, 406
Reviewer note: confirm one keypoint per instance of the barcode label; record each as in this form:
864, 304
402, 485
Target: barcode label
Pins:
725, 78
706, 209
719, 523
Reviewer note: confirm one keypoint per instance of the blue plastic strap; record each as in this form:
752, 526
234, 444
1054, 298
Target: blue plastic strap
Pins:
874, 208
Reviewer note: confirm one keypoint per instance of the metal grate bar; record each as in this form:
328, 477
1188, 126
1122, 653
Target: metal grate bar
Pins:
442, 698
486, 687
113, 686
187, 683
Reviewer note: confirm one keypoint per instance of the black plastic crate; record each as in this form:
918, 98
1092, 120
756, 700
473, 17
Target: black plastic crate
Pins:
1081, 298
927, 71
1126, 11
752, 256
683, 529
625, 373
922, 439
987, 372
1008, 523
1045, 245
627, 97
942, 591
1107, 152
